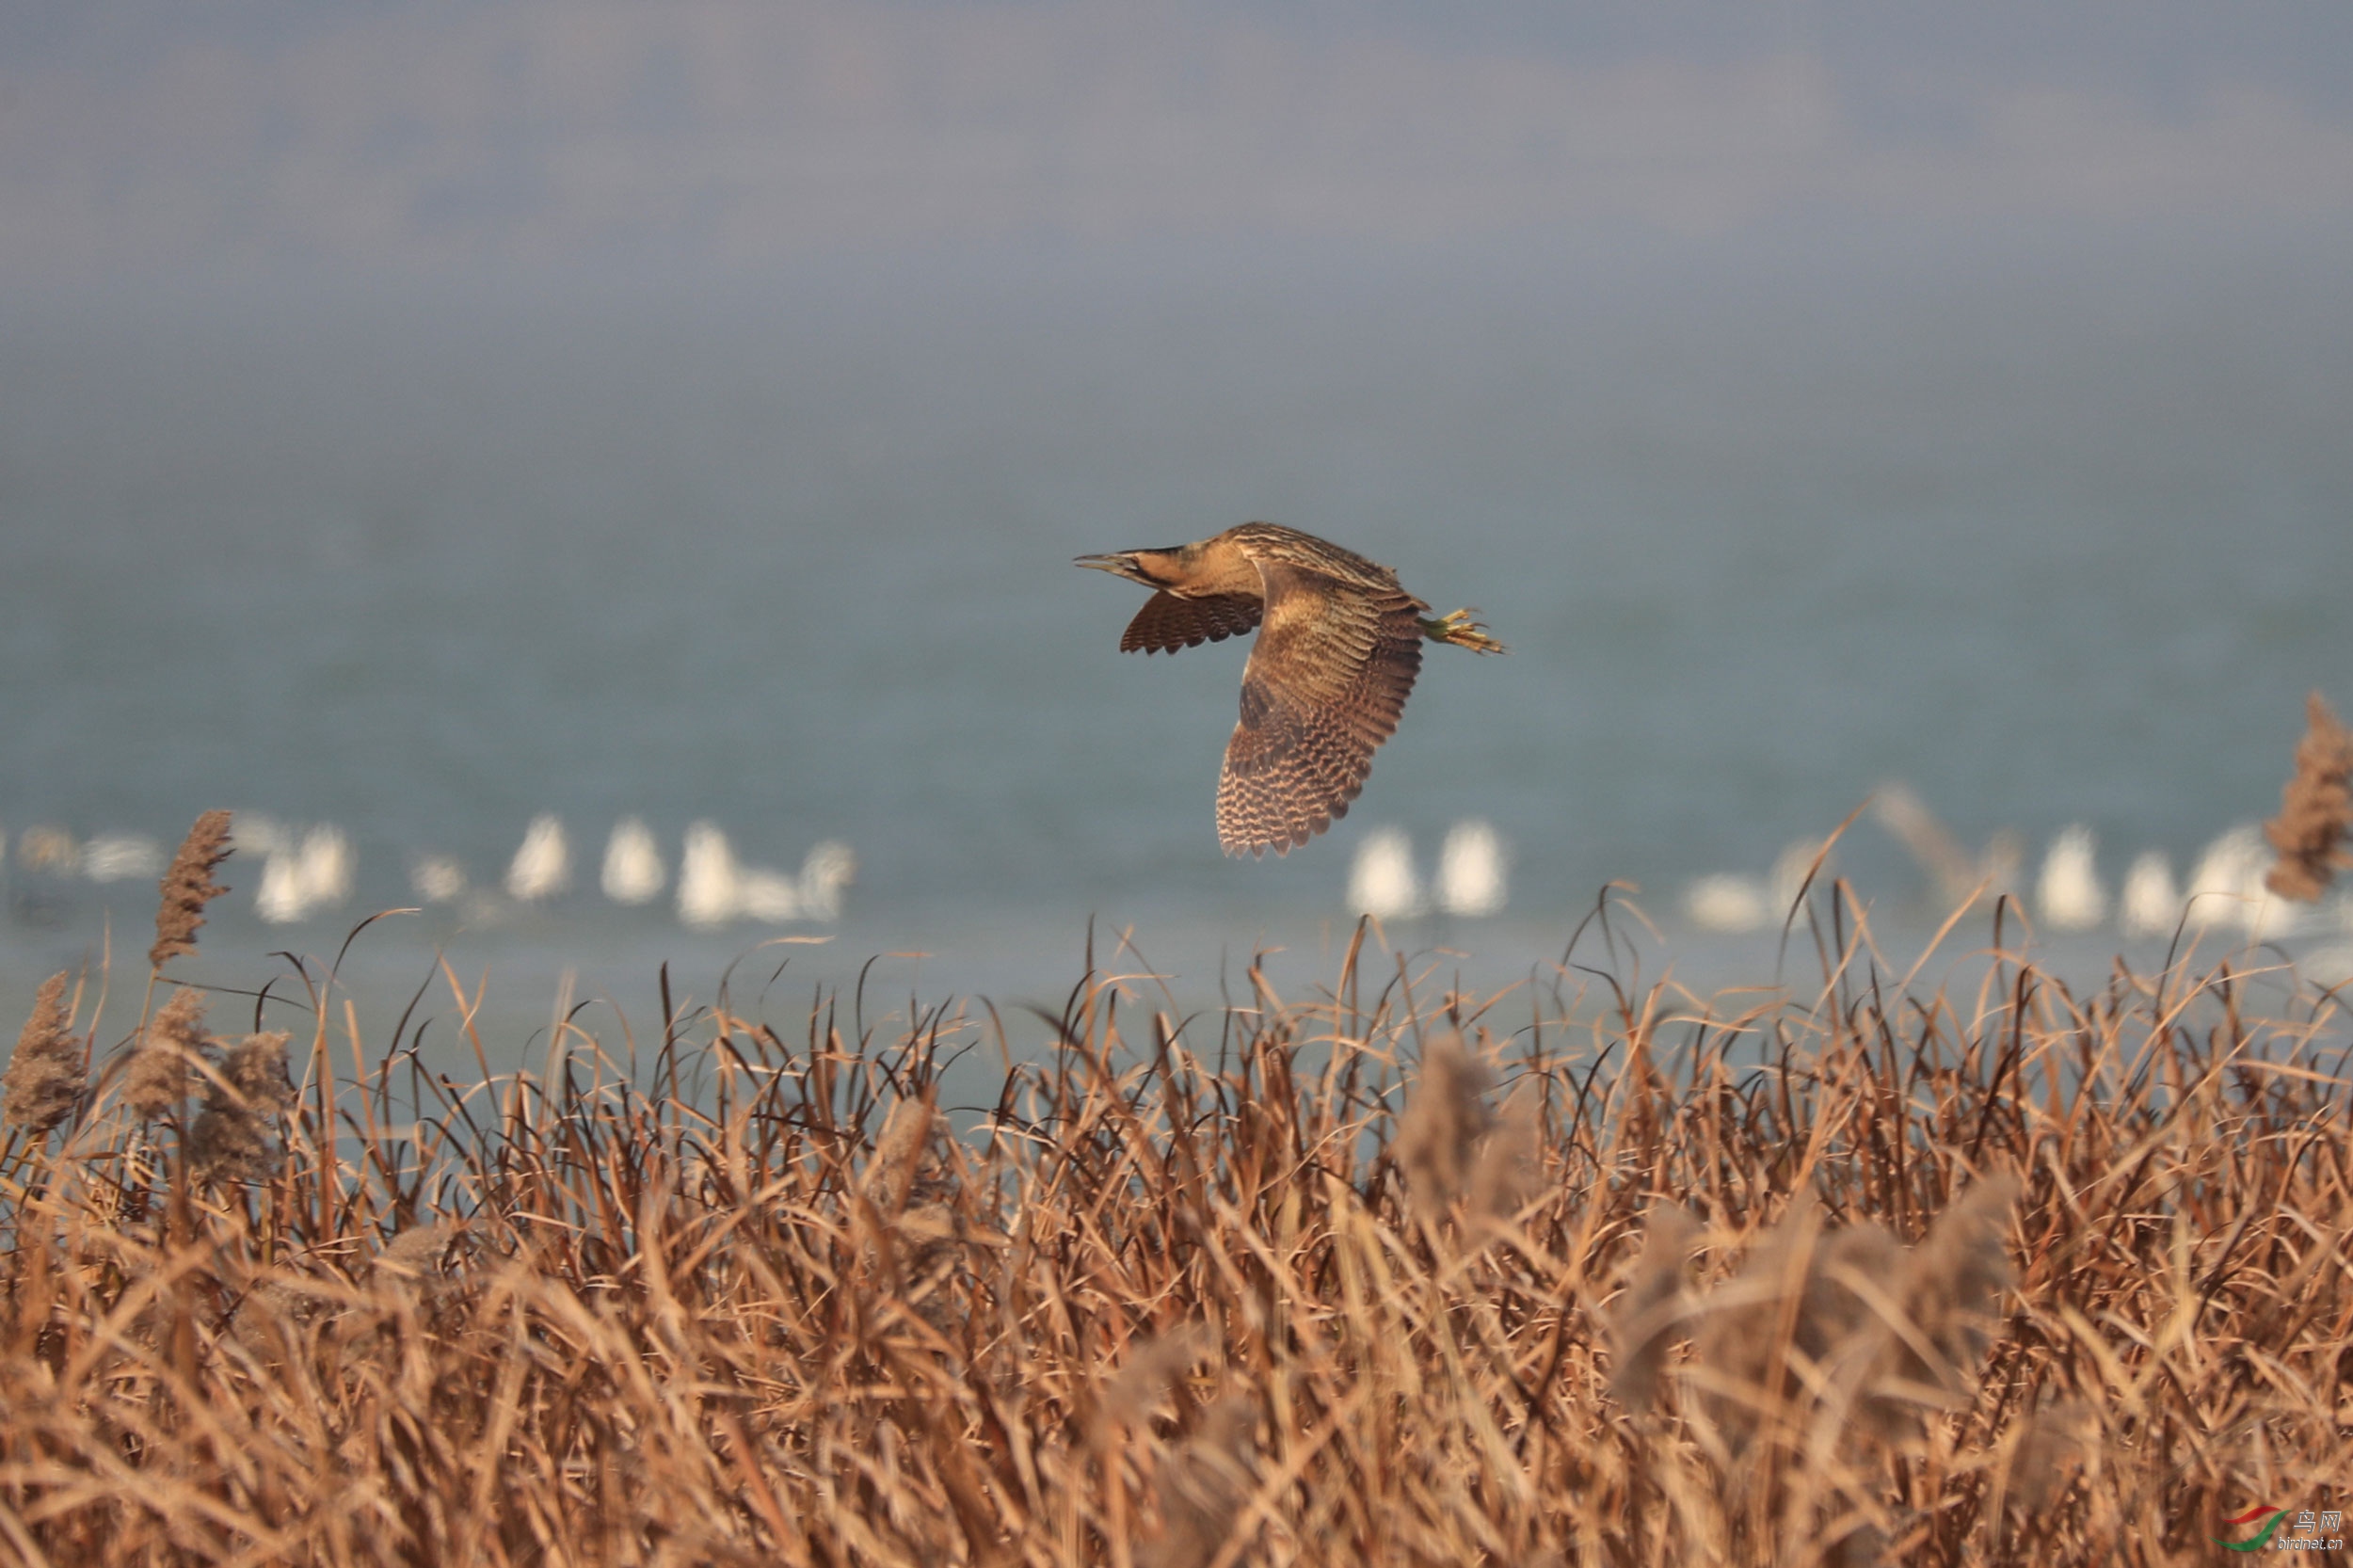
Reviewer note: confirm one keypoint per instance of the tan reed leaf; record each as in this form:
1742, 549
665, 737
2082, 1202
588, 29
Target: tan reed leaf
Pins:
1442, 1124
1649, 1311
2315, 809
188, 886
45, 1077
161, 1067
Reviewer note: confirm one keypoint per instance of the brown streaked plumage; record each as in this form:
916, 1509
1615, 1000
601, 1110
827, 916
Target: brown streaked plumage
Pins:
1339, 643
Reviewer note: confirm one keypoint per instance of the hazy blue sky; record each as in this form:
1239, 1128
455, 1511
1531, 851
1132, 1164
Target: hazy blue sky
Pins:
424, 134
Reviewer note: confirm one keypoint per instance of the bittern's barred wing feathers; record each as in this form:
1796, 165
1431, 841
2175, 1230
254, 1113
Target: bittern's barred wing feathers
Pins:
1334, 663
1167, 623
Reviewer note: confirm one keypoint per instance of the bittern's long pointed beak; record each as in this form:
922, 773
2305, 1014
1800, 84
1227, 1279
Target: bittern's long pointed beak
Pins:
1120, 565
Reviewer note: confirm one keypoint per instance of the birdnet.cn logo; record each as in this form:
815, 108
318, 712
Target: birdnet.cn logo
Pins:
2314, 1531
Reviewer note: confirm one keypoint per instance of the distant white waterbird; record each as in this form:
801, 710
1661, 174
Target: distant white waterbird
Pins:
2149, 905
1473, 870
709, 890
713, 888
2068, 894
299, 879
543, 865
634, 872
2227, 886
1382, 882
1727, 902
120, 857
438, 879
761, 895
1791, 870
827, 873
278, 898
328, 866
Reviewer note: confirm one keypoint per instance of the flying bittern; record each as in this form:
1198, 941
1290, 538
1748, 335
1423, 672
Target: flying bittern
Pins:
1326, 681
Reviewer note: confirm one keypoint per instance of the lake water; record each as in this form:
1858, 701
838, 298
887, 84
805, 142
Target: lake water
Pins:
2057, 528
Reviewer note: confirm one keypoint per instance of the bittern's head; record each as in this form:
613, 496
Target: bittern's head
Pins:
1154, 569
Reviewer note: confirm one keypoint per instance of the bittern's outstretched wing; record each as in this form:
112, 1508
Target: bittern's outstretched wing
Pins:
1333, 666
1167, 623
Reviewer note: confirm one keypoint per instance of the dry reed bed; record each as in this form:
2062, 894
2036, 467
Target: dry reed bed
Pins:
1591, 1271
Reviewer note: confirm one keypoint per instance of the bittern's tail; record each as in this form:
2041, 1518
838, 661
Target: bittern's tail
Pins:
1463, 629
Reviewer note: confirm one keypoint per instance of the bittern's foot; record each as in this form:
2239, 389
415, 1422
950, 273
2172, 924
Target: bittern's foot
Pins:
1463, 629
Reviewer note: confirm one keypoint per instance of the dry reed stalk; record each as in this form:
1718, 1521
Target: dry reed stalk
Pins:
2315, 809
45, 1077
189, 886
164, 1065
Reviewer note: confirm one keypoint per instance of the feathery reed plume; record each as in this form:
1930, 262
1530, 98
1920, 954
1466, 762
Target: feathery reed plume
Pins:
1504, 1171
2056, 1442
1441, 1127
1128, 1395
1891, 1331
158, 1077
232, 1139
1202, 1487
416, 1253
891, 1171
1738, 1349
2315, 809
1955, 1284
188, 886
1643, 1326
1842, 1328
45, 1076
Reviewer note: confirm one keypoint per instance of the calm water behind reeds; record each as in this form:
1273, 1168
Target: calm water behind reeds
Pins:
2054, 531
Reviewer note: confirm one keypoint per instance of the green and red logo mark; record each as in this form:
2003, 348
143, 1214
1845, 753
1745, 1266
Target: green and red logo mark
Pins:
2257, 1541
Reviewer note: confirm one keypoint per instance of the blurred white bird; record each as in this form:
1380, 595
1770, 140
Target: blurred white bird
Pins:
1382, 882
543, 865
634, 872
1473, 871
2151, 905
2069, 893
